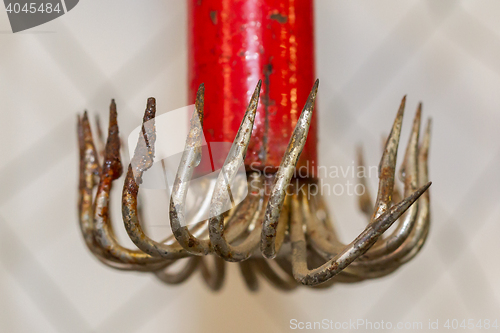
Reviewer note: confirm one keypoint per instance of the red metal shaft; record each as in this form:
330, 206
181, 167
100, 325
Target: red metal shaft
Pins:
233, 44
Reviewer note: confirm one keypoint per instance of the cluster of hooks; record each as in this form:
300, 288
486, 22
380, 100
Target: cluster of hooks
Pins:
280, 231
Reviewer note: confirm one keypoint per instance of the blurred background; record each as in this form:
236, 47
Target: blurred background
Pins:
370, 53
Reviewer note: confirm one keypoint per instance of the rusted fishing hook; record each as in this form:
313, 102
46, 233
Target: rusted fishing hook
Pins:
260, 52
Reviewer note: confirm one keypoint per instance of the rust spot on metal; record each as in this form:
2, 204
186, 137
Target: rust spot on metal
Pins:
279, 18
213, 16
266, 101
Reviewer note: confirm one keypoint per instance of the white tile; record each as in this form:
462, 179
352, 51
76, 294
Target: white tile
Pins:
485, 249
46, 209
448, 100
485, 12
44, 100
16, 305
33, 276
350, 32
439, 303
96, 290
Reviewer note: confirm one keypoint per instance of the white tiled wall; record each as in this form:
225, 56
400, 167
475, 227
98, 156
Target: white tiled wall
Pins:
370, 53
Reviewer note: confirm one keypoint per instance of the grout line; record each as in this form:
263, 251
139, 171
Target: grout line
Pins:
36, 159
355, 82
132, 313
32, 277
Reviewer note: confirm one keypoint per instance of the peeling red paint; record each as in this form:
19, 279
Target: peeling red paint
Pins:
232, 51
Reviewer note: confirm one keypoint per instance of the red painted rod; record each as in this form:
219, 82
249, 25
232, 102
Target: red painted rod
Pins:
233, 44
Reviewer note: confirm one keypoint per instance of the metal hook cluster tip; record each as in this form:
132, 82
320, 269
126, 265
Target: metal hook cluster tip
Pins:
277, 232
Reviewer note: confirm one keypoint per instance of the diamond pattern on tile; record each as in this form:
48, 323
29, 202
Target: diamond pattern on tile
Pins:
485, 243
441, 302
370, 53
17, 305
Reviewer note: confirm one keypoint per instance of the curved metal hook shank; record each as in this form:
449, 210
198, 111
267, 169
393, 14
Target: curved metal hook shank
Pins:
409, 170
283, 176
356, 248
141, 161
190, 159
112, 170
220, 197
